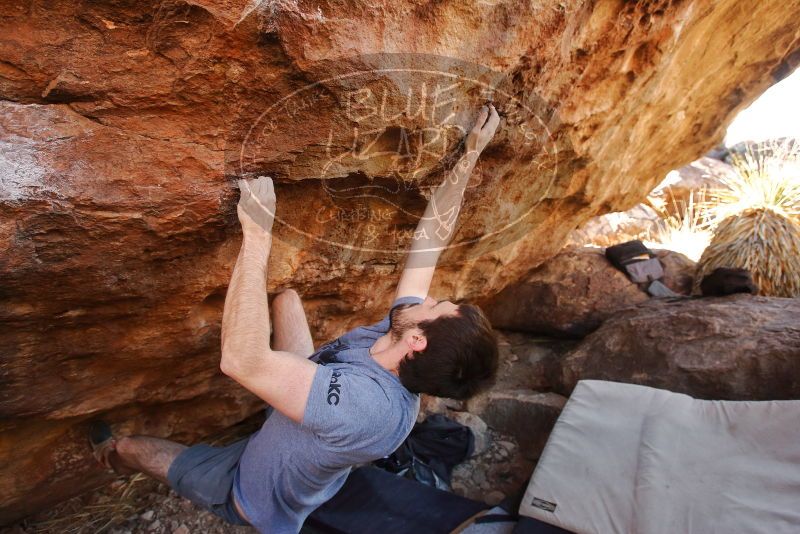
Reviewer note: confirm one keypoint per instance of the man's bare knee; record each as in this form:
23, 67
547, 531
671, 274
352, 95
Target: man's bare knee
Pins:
287, 297
290, 326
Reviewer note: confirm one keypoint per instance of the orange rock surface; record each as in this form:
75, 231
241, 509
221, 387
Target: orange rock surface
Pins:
123, 126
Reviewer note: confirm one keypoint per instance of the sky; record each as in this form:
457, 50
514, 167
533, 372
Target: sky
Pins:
776, 113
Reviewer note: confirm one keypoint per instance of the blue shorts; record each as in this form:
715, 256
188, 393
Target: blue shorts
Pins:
204, 475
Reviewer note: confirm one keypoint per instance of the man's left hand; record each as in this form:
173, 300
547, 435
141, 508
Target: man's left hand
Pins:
483, 131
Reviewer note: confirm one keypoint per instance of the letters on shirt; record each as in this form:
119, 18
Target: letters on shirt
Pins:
334, 389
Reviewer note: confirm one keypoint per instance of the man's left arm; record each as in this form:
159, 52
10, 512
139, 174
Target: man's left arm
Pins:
437, 226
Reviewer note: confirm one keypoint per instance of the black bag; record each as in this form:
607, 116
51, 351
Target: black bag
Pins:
431, 451
727, 281
635, 260
373, 500
626, 253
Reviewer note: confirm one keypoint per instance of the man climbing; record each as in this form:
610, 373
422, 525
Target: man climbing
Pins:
352, 401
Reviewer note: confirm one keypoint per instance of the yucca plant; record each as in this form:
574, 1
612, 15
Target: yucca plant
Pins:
759, 214
767, 176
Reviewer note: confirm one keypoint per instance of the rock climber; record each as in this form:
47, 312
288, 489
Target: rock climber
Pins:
351, 401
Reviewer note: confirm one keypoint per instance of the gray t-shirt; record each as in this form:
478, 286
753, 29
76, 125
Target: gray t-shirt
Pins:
357, 412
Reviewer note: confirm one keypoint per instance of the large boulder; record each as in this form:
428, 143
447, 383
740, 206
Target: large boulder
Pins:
124, 125
573, 293
728, 348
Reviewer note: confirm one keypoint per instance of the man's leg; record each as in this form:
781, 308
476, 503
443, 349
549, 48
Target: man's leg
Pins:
151, 456
205, 478
290, 330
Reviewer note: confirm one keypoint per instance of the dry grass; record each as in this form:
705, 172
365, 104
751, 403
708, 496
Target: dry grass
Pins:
688, 233
98, 517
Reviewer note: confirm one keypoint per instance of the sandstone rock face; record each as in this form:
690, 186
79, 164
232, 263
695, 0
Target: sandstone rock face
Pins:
728, 348
574, 292
123, 126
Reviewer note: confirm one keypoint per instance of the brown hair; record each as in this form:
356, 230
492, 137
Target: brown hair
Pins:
459, 360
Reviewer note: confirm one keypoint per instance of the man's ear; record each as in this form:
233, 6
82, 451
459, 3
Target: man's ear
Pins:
417, 340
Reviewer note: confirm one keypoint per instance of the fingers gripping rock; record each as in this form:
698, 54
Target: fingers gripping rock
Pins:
484, 129
257, 203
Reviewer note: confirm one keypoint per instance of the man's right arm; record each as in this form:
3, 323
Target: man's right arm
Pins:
282, 379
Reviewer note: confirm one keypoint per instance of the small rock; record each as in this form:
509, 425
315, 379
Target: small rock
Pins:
183, 529
431, 405
478, 428
155, 525
493, 498
502, 340
148, 515
504, 352
458, 488
525, 415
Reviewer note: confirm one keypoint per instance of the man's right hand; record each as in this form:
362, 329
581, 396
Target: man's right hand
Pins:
256, 207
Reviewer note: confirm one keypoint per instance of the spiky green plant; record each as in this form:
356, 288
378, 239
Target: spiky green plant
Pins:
767, 177
761, 241
760, 220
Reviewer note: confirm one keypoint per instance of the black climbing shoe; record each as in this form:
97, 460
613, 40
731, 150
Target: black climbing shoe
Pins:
102, 442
